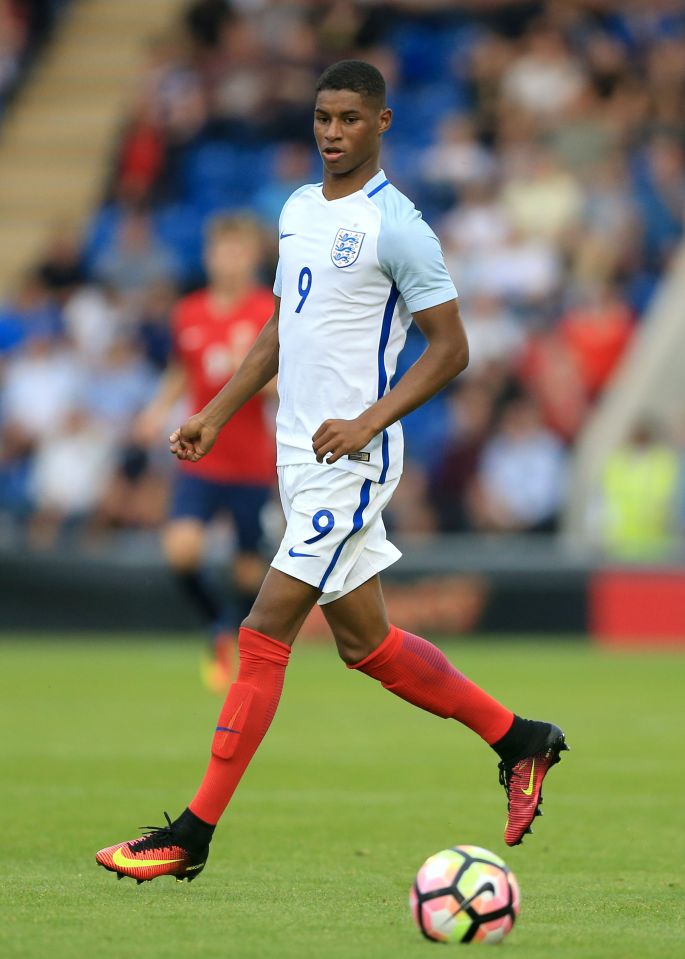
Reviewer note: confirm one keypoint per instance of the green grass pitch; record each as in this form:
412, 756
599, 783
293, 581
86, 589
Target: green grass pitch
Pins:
350, 792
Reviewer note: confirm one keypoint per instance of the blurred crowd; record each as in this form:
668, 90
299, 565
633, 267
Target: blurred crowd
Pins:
24, 27
544, 142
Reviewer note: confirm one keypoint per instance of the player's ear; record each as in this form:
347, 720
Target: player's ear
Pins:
384, 120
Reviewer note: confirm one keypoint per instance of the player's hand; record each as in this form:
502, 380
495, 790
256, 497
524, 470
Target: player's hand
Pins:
193, 440
340, 437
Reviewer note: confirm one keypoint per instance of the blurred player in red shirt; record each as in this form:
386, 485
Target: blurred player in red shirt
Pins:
213, 329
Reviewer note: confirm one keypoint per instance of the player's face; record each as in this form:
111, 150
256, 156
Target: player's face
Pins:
232, 258
347, 129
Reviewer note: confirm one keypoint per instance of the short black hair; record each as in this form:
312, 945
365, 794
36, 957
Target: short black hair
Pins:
355, 75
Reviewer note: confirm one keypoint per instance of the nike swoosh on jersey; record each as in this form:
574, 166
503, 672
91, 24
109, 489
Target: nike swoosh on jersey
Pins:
286, 235
291, 552
119, 859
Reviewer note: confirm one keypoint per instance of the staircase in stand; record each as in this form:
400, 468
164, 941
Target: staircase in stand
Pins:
56, 140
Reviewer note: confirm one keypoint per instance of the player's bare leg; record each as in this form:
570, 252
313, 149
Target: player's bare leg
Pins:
418, 672
183, 544
282, 605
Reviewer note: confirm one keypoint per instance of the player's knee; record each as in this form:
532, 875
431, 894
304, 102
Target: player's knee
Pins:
183, 548
258, 622
270, 624
351, 648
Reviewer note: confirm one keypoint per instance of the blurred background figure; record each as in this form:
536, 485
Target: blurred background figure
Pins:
521, 477
68, 478
213, 329
641, 490
136, 259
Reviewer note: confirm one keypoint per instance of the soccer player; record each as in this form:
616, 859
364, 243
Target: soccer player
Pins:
357, 262
213, 329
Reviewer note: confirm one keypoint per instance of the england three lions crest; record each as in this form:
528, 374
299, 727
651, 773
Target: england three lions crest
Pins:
346, 247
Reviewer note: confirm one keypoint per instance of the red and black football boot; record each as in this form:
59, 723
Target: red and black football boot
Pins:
161, 851
522, 780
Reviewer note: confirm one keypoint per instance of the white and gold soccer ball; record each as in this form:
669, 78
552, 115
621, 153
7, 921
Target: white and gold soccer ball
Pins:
465, 894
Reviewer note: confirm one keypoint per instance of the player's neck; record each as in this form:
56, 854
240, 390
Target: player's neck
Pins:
222, 298
336, 186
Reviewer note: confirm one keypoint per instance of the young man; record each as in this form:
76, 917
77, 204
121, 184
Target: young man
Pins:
356, 263
213, 330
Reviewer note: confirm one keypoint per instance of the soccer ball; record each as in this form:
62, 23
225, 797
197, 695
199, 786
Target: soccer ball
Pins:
465, 894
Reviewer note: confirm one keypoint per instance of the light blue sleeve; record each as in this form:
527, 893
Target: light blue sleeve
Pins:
278, 283
410, 253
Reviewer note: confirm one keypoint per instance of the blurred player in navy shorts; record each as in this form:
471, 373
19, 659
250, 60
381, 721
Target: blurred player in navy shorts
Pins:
213, 329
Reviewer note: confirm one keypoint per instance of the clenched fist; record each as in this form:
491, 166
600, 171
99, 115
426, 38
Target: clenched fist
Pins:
193, 440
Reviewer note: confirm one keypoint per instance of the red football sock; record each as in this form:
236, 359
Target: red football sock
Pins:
419, 672
243, 721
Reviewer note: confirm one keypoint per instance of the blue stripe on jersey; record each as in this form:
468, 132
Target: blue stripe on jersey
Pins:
386, 458
390, 305
357, 523
378, 188
382, 372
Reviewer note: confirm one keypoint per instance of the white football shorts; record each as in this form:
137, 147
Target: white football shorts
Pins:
335, 538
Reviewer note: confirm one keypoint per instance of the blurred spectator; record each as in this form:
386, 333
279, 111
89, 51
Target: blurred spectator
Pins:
546, 78
472, 412
93, 317
70, 473
43, 385
24, 27
551, 374
607, 241
61, 268
541, 198
293, 166
30, 312
119, 386
154, 324
12, 40
522, 271
640, 489
136, 260
141, 156
586, 137
596, 333
205, 20
457, 157
478, 224
493, 333
242, 78
410, 512
521, 476
661, 197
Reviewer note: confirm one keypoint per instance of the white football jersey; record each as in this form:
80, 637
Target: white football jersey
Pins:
350, 274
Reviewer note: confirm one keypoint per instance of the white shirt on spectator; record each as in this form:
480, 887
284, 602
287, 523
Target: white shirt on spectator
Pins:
526, 474
41, 390
93, 321
71, 469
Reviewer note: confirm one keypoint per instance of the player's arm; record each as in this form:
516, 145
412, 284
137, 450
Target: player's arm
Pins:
446, 355
153, 418
197, 435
